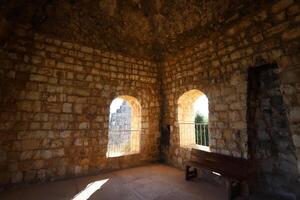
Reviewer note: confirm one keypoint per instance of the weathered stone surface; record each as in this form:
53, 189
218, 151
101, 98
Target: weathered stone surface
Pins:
146, 28
291, 34
17, 177
84, 125
59, 106
3, 156
26, 155
281, 5
272, 147
67, 107
295, 114
30, 176
226, 84
296, 139
57, 82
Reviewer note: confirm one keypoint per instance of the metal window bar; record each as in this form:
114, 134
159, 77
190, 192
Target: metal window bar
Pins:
120, 142
194, 133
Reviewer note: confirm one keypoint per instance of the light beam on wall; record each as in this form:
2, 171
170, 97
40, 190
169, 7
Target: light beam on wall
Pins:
89, 190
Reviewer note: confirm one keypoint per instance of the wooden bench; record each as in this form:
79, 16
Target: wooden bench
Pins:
234, 170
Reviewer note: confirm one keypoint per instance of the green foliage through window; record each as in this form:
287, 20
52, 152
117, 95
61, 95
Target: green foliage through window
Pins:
201, 130
199, 118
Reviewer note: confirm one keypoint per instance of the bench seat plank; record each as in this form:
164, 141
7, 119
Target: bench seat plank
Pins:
233, 169
234, 172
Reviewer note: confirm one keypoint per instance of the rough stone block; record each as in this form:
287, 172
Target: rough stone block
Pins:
36, 60
41, 174
50, 62
78, 142
291, 34
84, 125
67, 45
36, 107
25, 106
30, 176
67, 107
30, 144
291, 76
65, 134
78, 108
3, 156
86, 49
296, 140
38, 164
58, 153
281, 5
32, 95
77, 169
26, 155
39, 78
17, 177
46, 154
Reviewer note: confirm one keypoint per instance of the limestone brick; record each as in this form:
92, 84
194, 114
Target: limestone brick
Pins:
64, 105
226, 83
55, 94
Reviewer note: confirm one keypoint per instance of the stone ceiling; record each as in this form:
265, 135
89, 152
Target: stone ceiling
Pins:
143, 28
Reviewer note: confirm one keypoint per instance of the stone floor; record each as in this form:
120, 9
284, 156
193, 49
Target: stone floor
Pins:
140, 183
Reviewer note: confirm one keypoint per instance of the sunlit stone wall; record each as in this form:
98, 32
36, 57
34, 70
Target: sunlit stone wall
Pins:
54, 108
218, 66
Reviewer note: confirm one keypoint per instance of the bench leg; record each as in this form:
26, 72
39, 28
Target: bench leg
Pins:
228, 189
190, 173
244, 188
236, 189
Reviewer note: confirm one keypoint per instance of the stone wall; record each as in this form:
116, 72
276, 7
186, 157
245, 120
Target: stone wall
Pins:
218, 64
54, 108
142, 28
55, 94
271, 149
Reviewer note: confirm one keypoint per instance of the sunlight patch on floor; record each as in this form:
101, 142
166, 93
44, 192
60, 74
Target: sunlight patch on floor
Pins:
89, 190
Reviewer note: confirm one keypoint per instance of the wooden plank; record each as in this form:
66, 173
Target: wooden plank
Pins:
227, 166
203, 154
233, 169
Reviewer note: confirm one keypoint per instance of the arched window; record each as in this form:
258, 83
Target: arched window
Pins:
124, 127
193, 119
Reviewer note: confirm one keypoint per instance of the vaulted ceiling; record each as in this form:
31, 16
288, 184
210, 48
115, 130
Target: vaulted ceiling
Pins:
144, 28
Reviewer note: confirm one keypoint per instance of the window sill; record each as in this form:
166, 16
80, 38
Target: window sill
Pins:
115, 155
196, 146
201, 147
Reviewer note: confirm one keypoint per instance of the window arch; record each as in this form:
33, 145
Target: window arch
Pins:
193, 119
124, 126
